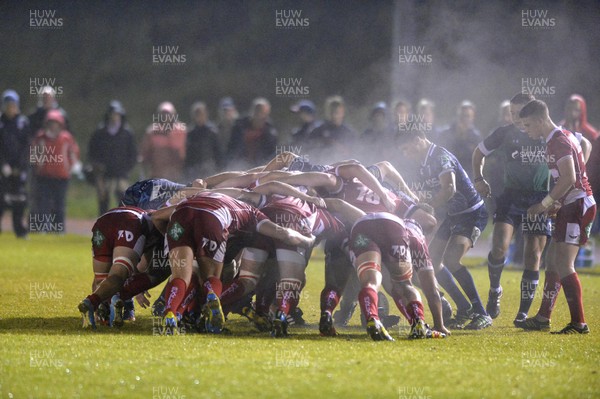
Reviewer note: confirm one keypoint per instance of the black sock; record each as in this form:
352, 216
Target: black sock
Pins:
495, 267
466, 282
529, 283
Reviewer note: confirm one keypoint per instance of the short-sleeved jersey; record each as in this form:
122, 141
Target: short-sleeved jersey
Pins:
440, 161
233, 214
524, 158
562, 144
120, 227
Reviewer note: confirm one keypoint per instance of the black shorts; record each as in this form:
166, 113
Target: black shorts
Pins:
468, 225
511, 208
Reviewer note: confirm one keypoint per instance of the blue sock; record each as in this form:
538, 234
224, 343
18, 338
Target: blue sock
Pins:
495, 267
446, 281
466, 282
529, 283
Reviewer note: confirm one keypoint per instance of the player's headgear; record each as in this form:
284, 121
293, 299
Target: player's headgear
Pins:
150, 194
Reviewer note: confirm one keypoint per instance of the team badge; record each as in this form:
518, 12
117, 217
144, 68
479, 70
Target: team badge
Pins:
176, 231
98, 238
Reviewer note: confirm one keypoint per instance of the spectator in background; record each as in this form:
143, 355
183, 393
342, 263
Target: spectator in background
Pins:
426, 115
228, 114
307, 113
576, 121
14, 160
112, 152
576, 118
55, 156
253, 139
203, 156
378, 137
163, 146
461, 138
46, 103
402, 110
333, 138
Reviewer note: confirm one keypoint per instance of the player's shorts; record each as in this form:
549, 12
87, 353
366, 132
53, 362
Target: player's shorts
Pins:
388, 238
468, 225
511, 208
198, 229
120, 227
419, 253
574, 221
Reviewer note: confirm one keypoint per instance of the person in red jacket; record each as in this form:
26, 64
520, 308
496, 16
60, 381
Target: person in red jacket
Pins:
54, 155
576, 118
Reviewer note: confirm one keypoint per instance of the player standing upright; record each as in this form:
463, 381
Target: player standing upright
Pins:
452, 193
526, 184
573, 198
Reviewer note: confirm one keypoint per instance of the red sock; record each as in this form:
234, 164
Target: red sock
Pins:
95, 300
415, 310
233, 292
214, 284
330, 297
135, 285
174, 294
572, 287
551, 290
367, 299
401, 307
190, 295
288, 295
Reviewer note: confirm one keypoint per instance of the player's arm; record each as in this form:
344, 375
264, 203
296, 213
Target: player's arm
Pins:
429, 287
446, 191
288, 236
361, 173
348, 213
276, 187
390, 173
586, 148
566, 179
313, 179
160, 218
481, 185
214, 180
244, 180
280, 161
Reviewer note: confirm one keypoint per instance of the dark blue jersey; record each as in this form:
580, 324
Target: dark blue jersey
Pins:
439, 161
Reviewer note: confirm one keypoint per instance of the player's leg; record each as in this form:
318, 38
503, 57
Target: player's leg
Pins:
291, 266
532, 256
458, 246
124, 261
181, 259
368, 266
565, 263
578, 218
252, 265
501, 238
437, 248
338, 269
210, 274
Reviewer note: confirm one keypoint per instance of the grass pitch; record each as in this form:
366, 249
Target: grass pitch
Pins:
45, 354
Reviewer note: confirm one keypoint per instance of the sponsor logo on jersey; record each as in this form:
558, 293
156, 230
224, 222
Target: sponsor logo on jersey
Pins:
176, 231
98, 238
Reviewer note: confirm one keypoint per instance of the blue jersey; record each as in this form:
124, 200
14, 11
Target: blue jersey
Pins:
439, 161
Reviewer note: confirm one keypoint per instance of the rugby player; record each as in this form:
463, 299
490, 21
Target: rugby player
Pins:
525, 184
466, 217
572, 200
